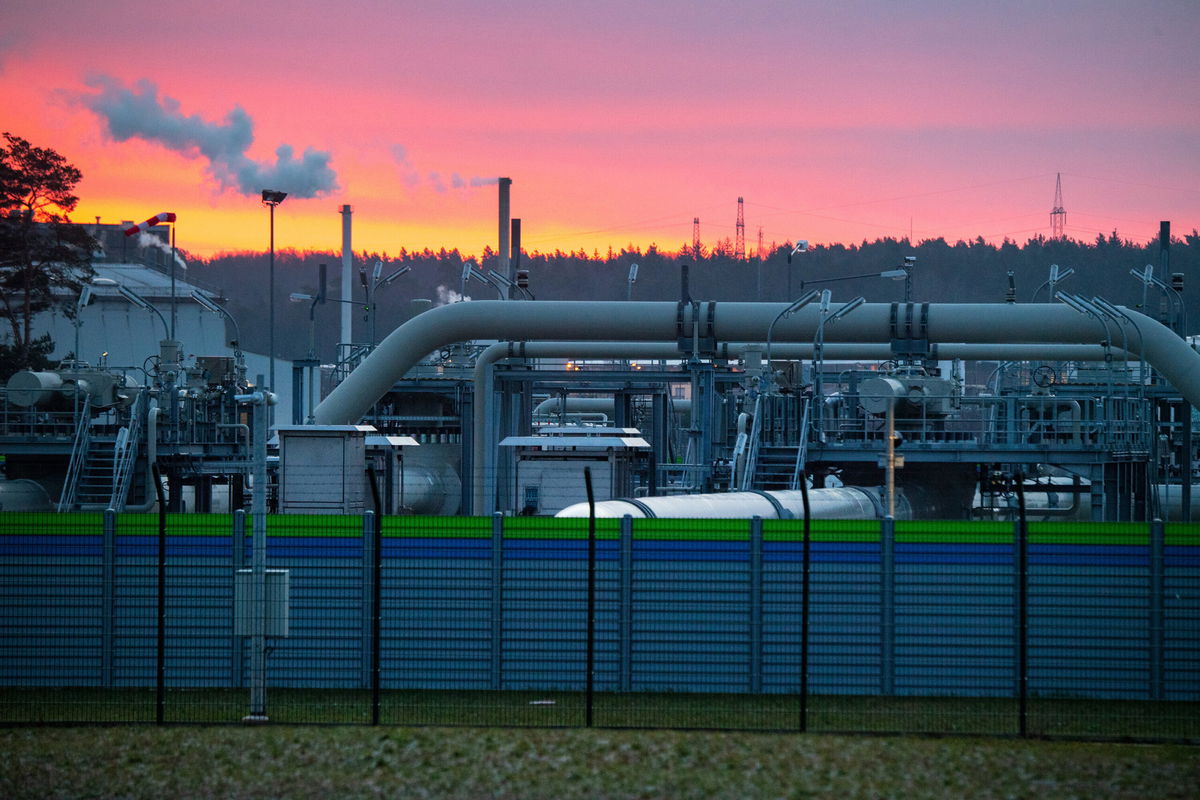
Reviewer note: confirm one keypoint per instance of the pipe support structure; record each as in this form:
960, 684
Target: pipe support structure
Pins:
482, 434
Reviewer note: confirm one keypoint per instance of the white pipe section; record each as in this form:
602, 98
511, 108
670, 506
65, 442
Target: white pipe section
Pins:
845, 502
951, 323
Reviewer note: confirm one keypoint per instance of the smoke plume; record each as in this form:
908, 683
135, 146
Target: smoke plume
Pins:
141, 113
411, 176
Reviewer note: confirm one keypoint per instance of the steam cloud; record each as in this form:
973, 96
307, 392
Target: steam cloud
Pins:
146, 239
140, 113
445, 296
412, 177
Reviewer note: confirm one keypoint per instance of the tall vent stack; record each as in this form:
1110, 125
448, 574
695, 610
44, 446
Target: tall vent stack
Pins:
504, 266
347, 283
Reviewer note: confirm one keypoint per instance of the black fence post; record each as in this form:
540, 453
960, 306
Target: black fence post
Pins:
1022, 609
237, 665
756, 605
376, 593
108, 598
160, 667
887, 607
591, 597
1157, 616
805, 600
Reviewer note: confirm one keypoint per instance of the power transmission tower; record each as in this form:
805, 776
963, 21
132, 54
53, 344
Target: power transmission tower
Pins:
739, 244
696, 238
1058, 214
760, 243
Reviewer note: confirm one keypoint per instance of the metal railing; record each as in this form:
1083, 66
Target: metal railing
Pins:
79, 451
125, 453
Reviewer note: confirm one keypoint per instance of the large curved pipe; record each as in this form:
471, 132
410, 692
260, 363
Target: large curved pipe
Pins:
949, 323
481, 435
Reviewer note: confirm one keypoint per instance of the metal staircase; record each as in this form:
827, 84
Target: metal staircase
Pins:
94, 489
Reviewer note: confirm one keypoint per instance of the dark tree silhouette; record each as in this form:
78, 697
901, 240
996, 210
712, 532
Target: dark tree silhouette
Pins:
41, 251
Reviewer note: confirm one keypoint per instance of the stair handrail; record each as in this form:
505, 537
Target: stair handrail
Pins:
802, 450
125, 453
751, 462
79, 448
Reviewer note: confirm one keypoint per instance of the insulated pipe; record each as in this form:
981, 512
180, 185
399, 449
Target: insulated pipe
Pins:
483, 381
657, 322
844, 502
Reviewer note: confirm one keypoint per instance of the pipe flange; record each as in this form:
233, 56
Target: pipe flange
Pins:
782, 512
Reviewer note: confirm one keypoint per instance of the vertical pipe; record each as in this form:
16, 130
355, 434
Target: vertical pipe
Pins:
172, 286
503, 265
891, 456
160, 666
591, 597
258, 564
347, 334
1022, 609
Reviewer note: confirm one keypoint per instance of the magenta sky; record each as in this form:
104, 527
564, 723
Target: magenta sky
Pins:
618, 121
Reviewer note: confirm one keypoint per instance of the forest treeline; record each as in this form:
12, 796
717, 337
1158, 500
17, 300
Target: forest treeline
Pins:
974, 271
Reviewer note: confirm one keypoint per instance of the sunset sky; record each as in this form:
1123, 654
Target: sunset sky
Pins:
618, 120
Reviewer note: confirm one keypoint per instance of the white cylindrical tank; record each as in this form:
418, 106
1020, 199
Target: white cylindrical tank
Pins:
28, 389
23, 495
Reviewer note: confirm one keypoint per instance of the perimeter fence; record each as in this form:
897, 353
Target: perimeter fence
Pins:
1087, 630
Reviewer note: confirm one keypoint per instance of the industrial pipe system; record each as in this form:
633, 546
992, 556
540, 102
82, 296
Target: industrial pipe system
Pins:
951, 323
482, 436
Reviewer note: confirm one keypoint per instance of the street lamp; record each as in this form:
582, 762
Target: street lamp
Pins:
142, 303
209, 305
801, 247
819, 345
1147, 277
787, 312
85, 297
894, 274
1056, 277
373, 285
630, 281
270, 199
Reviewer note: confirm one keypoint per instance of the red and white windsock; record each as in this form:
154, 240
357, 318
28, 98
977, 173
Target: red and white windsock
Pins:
166, 216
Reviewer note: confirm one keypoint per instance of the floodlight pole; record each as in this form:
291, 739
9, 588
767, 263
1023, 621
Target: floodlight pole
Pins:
270, 199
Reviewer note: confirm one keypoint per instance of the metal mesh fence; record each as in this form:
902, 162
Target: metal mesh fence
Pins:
1066, 629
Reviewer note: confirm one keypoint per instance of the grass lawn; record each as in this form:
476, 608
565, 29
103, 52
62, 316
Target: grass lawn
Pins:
1088, 719
276, 760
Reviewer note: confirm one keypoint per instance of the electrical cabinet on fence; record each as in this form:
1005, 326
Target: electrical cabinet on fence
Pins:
278, 584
